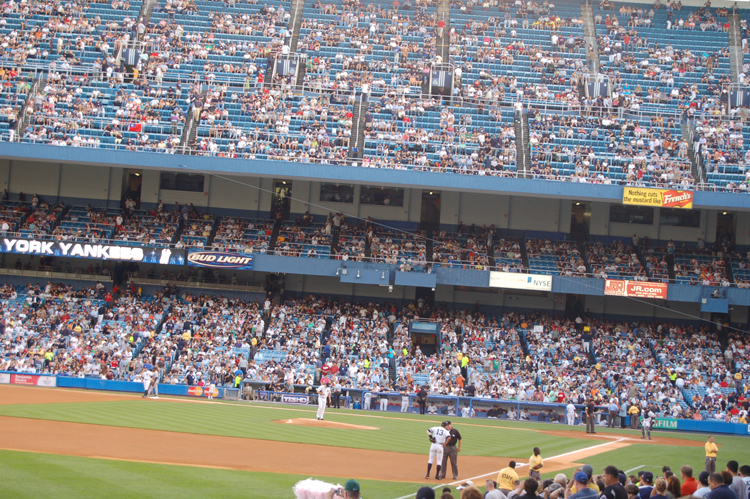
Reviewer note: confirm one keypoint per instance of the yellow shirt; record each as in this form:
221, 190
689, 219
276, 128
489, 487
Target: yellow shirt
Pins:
506, 477
591, 486
711, 449
535, 461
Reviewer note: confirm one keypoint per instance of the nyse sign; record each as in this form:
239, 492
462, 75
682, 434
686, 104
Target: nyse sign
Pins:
515, 280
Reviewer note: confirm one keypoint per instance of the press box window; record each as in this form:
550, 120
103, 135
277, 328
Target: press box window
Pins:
631, 214
337, 193
381, 196
679, 217
182, 182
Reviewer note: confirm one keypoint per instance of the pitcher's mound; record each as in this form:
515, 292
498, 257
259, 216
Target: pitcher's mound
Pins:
325, 424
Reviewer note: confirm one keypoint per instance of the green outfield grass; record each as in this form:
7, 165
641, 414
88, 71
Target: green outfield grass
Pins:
44, 475
33, 476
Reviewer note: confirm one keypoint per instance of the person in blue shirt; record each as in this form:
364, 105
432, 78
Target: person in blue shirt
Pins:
581, 482
719, 488
623, 413
647, 485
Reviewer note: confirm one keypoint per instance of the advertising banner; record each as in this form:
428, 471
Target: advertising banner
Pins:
164, 256
515, 280
664, 424
30, 380
4, 379
614, 287
295, 399
220, 260
657, 197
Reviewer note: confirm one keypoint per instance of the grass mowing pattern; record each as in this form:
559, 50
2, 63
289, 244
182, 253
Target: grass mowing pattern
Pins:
31, 475
247, 421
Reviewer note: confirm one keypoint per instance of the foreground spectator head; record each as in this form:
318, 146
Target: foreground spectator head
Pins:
660, 485
425, 493
611, 475
703, 478
727, 476
530, 486
647, 478
471, 493
715, 480
352, 489
733, 467
632, 490
588, 469
581, 479
686, 472
745, 470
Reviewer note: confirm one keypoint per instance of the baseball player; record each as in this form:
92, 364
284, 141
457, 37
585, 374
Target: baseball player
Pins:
404, 398
154, 388
383, 401
648, 421
366, 399
324, 396
570, 412
146, 377
438, 435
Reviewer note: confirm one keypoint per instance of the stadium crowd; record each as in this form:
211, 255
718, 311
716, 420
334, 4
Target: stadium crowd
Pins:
671, 369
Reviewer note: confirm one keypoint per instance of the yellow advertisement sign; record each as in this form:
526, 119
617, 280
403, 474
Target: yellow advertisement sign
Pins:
657, 197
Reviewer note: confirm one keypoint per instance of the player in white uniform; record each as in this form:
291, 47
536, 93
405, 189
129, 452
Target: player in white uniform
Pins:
146, 377
570, 411
324, 395
648, 421
438, 436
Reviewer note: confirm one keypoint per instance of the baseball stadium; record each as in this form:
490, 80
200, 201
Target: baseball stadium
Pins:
245, 249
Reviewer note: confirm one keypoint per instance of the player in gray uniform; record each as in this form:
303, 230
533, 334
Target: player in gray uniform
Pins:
438, 435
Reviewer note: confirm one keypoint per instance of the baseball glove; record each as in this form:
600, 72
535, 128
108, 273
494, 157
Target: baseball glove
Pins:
429, 435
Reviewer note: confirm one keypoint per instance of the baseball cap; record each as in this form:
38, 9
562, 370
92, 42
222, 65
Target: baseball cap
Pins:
622, 478
425, 493
581, 477
445, 423
352, 486
555, 486
648, 476
588, 469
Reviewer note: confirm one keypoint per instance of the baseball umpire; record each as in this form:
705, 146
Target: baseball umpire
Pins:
450, 450
422, 399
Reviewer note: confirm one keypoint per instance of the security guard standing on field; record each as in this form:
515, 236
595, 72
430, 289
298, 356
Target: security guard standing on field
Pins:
451, 451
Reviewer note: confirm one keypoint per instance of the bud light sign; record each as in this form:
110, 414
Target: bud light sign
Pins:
220, 260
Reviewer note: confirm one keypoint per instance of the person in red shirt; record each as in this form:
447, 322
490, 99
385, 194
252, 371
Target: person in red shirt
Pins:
689, 484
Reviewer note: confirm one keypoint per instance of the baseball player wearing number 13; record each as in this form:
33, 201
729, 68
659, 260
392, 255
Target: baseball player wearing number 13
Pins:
438, 436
